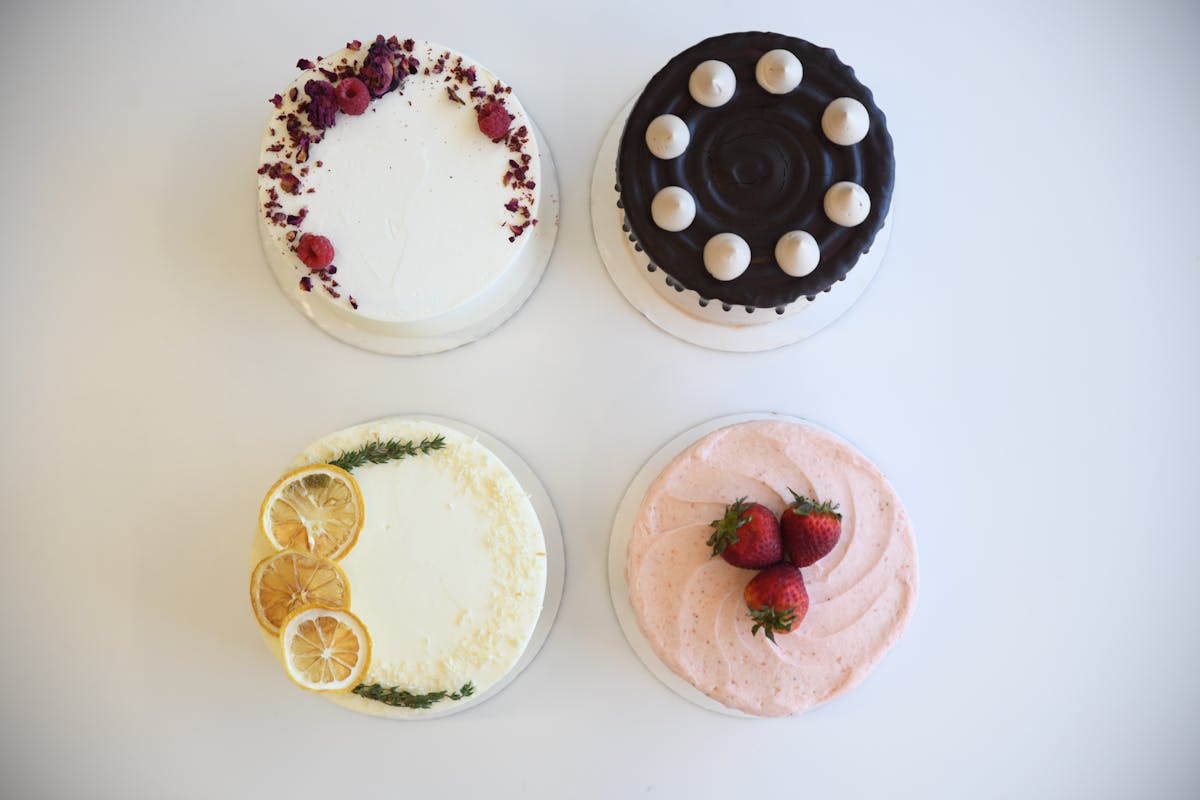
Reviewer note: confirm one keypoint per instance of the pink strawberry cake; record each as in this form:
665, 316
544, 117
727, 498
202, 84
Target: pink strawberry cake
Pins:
691, 606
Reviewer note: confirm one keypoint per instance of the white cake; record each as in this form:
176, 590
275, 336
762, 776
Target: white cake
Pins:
434, 225
449, 571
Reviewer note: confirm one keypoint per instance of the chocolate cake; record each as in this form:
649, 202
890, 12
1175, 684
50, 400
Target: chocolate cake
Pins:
753, 172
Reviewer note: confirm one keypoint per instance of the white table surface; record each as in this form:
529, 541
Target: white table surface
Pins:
1026, 369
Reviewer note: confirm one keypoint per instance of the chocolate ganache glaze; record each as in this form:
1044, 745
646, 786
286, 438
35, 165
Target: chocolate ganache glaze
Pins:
758, 166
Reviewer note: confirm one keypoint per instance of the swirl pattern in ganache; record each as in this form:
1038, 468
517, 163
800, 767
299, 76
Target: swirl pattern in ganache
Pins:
757, 166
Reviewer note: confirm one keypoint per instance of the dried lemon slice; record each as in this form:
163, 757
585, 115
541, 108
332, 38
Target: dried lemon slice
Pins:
325, 650
317, 509
283, 582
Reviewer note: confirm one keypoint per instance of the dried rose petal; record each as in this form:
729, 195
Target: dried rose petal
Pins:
322, 105
379, 71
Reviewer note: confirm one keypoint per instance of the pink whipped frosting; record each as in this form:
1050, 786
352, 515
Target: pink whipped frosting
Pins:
690, 606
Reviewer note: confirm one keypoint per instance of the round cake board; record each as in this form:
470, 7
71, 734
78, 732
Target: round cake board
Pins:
534, 257
555, 578
627, 268
622, 532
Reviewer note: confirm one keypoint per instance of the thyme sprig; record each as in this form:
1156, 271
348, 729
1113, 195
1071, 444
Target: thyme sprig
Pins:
389, 450
402, 698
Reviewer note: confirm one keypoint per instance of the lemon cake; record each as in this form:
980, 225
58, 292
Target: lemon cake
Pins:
400, 569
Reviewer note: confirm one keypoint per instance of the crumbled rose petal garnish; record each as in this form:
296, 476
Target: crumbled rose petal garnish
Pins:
354, 45
409, 44
379, 71
277, 101
453, 95
290, 184
315, 251
353, 302
353, 96
306, 283
304, 63
322, 104
494, 120
511, 205
328, 73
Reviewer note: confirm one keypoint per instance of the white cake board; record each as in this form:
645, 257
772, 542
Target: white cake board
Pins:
536, 253
627, 268
555, 578
618, 545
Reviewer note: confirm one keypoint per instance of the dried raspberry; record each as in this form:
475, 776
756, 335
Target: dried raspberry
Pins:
494, 120
315, 251
352, 96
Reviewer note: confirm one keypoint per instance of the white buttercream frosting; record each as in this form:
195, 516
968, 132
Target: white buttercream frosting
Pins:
778, 71
667, 136
797, 253
845, 121
391, 187
712, 83
726, 256
673, 209
847, 204
449, 571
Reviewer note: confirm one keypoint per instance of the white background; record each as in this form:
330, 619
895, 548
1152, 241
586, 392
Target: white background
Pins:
1026, 369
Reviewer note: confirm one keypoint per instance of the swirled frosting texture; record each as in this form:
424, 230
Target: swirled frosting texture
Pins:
690, 608
758, 166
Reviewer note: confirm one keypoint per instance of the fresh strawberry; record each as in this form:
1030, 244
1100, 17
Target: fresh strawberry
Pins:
747, 536
777, 600
810, 529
